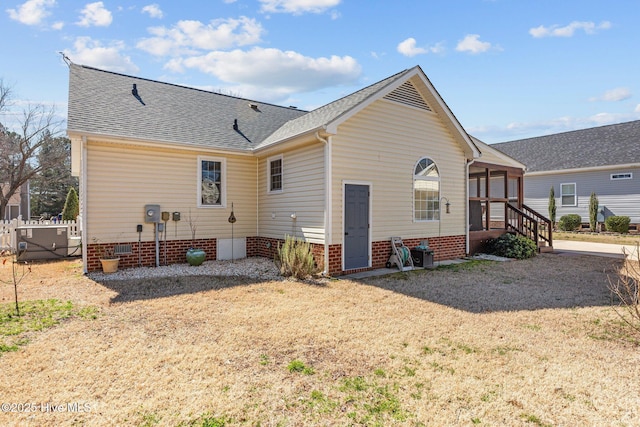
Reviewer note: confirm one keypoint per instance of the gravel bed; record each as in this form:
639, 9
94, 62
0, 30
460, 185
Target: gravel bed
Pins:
255, 267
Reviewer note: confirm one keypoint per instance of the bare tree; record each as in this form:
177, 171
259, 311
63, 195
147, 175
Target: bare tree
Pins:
19, 162
627, 290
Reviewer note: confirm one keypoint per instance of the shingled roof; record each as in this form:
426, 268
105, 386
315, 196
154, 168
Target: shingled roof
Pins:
114, 105
103, 102
616, 144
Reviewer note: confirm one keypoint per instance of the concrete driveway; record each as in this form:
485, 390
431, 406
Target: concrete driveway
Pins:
590, 248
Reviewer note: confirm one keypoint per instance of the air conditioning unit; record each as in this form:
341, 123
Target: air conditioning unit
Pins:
41, 242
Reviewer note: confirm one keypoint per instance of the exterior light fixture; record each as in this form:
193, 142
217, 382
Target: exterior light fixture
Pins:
447, 205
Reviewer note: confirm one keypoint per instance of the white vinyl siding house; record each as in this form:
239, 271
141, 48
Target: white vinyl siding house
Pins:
604, 160
281, 170
615, 197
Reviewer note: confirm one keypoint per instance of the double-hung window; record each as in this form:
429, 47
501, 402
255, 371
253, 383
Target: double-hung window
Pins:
275, 173
426, 191
568, 194
211, 182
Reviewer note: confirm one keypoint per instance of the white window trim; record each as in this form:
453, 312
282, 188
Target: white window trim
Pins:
575, 194
621, 176
223, 182
269, 160
413, 190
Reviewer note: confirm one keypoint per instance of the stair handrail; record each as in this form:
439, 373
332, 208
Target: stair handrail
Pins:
548, 236
523, 230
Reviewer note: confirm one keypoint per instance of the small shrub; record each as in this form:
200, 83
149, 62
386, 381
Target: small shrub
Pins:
513, 246
593, 212
295, 258
552, 205
569, 222
71, 206
618, 224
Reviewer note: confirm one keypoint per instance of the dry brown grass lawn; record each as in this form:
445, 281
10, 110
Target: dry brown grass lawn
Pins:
604, 237
518, 343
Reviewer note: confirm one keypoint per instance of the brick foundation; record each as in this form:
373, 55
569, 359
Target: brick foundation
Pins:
175, 253
446, 247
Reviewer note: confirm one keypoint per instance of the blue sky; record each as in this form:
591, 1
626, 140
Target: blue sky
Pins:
508, 69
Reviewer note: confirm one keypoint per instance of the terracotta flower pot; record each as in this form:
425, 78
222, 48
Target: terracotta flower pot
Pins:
110, 265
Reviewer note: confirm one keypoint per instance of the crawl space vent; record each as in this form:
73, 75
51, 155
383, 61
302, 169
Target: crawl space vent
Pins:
122, 249
408, 95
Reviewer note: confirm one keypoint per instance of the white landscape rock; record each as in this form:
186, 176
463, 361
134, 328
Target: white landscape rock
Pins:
256, 267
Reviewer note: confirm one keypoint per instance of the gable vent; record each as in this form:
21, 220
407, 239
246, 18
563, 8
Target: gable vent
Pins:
408, 95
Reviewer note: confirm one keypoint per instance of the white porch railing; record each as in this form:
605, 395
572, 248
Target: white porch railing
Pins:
8, 230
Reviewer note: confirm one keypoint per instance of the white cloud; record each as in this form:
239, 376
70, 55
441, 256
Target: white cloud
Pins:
57, 25
279, 72
568, 30
298, 7
91, 52
32, 12
408, 48
185, 36
637, 109
613, 95
472, 44
153, 10
95, 14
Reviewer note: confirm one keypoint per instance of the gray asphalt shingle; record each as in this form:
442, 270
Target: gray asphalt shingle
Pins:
101, 102
599, 146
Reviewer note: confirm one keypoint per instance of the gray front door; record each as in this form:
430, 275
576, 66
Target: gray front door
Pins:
356, 226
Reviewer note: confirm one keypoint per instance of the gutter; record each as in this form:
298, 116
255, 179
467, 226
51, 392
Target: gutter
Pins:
585, 169
280, 143
139, 142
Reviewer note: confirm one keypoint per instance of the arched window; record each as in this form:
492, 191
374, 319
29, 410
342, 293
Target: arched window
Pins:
426, 191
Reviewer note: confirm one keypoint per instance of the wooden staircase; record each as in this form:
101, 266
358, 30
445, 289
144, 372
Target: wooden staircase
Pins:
531, 224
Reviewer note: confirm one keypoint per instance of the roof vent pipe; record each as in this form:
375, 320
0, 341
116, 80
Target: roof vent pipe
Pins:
134, 91
235, 124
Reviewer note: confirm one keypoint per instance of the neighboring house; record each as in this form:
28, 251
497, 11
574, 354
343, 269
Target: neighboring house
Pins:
18, 203
388, 160
604, 160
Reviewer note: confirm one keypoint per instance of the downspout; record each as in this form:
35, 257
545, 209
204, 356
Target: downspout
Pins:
257, 198
83, 202
327, 202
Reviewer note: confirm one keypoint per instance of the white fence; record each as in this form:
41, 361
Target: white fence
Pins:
8, 230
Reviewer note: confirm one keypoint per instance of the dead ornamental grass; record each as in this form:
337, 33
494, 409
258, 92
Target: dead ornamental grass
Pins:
519, 343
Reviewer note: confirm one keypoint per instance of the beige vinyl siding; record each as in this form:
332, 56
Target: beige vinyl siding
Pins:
124, 178
381, 146
303, 192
